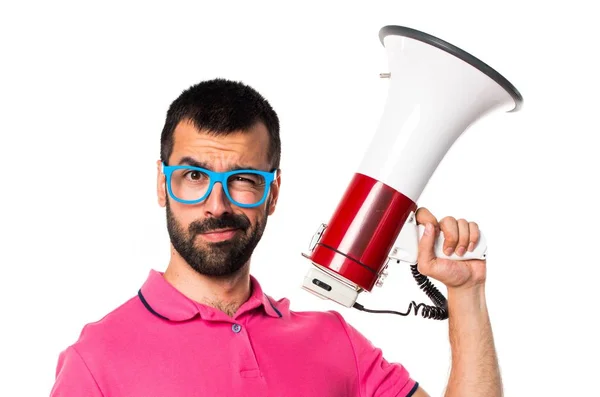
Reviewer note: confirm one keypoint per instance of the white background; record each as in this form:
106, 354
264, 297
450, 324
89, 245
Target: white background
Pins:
84, 90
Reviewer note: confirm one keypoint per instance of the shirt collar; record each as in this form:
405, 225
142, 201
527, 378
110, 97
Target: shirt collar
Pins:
166, 302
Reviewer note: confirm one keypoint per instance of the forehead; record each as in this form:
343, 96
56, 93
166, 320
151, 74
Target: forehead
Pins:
249, 147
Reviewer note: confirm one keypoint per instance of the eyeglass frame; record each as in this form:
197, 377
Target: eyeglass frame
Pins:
214, 177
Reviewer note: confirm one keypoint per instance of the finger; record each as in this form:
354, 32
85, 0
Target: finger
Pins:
463, 237
424, 216
427, 257
473, 235
449, 227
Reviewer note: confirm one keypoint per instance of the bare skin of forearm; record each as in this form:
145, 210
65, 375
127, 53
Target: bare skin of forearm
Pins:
475, 369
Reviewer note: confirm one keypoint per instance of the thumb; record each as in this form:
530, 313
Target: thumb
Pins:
427, 256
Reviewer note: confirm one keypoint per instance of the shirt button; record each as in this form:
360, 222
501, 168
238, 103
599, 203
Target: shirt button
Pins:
236, 328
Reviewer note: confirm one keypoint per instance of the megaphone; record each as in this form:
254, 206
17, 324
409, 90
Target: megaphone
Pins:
436, 92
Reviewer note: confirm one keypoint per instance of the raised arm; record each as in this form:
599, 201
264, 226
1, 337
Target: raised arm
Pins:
475, 370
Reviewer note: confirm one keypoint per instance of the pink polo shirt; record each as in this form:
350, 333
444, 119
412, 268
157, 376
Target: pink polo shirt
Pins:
162, 344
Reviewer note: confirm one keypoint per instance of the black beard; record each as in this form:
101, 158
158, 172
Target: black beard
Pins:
219, 259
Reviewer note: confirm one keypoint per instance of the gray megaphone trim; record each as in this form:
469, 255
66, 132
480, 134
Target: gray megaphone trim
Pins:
457, 52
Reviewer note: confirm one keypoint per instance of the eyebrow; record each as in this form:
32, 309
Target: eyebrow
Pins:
187, 160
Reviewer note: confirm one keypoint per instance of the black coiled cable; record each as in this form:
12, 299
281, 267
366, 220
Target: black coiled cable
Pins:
437, 312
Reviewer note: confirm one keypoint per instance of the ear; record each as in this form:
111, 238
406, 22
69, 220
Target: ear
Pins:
161, 185
274, 194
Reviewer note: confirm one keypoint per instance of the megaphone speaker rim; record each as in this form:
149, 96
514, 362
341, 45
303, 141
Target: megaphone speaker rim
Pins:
457, 52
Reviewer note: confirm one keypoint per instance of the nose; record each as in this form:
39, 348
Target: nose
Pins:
217, 203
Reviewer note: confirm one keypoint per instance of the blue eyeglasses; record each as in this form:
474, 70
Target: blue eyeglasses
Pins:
191, 185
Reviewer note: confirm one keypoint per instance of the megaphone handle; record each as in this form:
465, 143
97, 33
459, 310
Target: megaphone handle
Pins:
479, 252
405, 250
407, 245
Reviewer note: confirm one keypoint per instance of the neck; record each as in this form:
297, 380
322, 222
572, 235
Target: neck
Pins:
224, 293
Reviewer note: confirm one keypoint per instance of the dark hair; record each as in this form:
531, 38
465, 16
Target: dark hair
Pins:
221, 106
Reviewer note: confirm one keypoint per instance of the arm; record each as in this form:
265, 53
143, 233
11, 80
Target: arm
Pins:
474, 369
474, 364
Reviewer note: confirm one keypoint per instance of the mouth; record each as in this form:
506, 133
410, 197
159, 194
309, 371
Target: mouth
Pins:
219, 235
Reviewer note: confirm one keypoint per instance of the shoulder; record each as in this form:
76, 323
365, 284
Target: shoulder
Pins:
98, 336
329, 316
326, 322
329, 321
81, 365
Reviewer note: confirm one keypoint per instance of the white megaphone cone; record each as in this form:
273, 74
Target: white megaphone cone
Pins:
436, 91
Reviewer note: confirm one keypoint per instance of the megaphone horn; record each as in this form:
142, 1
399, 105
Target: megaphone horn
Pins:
436, 91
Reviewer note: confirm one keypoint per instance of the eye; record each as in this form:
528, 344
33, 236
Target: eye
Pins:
194, 175
245, 179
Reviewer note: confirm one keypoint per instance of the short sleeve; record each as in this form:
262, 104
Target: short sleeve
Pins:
376, 376
73, 378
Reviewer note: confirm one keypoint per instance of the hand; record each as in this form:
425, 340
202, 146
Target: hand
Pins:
459, 236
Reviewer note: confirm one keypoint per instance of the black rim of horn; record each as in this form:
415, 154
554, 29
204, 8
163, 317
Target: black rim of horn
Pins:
457, 52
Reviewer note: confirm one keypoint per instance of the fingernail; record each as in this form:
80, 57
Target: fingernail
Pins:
471, 246
460, 251
449, 251
428, 229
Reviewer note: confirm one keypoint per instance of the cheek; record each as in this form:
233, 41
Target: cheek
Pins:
259, 217
253, 215
184, 215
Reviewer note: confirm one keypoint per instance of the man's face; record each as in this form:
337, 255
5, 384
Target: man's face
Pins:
216, 237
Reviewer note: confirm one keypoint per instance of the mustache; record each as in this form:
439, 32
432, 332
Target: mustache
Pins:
227, 221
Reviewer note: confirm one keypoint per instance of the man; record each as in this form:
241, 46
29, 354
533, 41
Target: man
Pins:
205, 327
